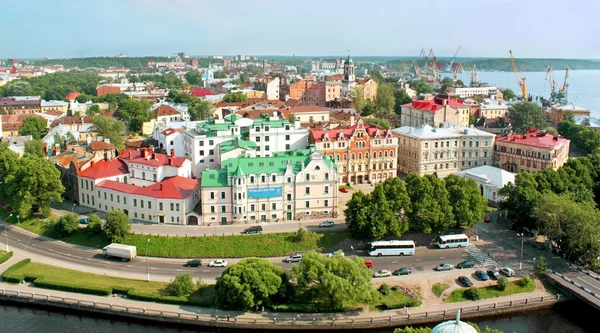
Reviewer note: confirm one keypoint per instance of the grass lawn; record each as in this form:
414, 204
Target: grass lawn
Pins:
439, 288
395, 300
260, 245
492, 291
491, 209
51, 273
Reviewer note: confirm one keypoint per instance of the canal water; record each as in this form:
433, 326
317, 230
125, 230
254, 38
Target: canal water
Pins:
571, 317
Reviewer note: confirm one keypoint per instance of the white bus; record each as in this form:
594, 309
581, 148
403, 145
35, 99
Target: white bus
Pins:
392, 248
448, 241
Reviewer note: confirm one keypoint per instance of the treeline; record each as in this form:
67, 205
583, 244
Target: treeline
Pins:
424, 204
562, 205
102, 62
53, 86
525, 65
582, 136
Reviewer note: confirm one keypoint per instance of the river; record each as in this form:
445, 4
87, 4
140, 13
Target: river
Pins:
583, 85
572, 317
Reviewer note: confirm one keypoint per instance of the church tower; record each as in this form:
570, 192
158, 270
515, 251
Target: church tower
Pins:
349, 79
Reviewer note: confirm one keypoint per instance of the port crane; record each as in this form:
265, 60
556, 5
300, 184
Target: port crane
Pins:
433, 66
557, 95
449, 68
457, 71
563, 89
551, 79
522, 82
425, 58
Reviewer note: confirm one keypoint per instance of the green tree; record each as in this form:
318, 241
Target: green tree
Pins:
520, 198
396, 195
379, 122
540, 265
83, 98
109, 128
468, 205
251, 282
93, 110
35, 147
401, 99
135, 112
18, 88
508, 94
526, 115
34, 126
71, 138
193, 77
386, 101
368, 109
334, 282
377, 76
94, 225
236, 97
8, 164
220, 75
33, 184
185, 98
430, 207
200, 110
182, 285
502, 283
473, 294
66, 225
117, 226
357, 95
245, 78
421, 86
567, 127
292, 118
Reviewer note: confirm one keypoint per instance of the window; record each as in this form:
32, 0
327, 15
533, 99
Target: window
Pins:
251, 208
212, 194
134, 202
223, 209
149, 205
287, 137
105, 196
326, 175
212, 209
326, 189
118, 199
211, 142
308, 204
211, 152
172, 207
160, 206
124, 200
287, 147
263, 207
326, 203
111, 197
222, 195
263, 179
289, 196
289, 180
251, 179
307, 177
141, 203
266, 139
273, 206
307, 190
258, 139
177, 207
266, 128
267, 148
201, 143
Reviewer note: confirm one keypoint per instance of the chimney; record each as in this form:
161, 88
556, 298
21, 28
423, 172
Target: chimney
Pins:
143, 153
160, 186
351, 120
172, 152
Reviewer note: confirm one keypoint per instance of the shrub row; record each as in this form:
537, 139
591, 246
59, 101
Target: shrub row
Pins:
65, 286
302, 308
10, 276
397, 305
131, 293
4, 258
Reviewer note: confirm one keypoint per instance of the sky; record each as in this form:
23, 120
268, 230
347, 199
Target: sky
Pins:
484, 28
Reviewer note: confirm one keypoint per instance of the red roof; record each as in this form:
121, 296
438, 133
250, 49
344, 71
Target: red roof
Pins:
104, 169
535, 139
165, 110
306, 108
202, 92
101, 145
434, 105
171, 188
147, 157
334, 134
73, 95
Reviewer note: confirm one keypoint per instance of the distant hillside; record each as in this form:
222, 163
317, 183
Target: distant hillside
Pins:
106, 62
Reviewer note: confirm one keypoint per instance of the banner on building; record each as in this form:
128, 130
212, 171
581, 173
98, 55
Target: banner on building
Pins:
266, 192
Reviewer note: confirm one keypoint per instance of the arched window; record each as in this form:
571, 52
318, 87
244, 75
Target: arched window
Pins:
360, 156
386, 154
263, 179
380, 154
345, 157
353, 156
391, 153
366, 155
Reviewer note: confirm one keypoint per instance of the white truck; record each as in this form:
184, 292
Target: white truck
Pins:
125, 252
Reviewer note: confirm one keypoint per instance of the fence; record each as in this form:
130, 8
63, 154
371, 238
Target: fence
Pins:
307, 321
577, 285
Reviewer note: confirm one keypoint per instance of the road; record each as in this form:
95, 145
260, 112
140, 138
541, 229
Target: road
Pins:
76, 257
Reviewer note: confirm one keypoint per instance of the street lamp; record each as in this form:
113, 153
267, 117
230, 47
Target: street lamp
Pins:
6, 234
73, 208
18, 219
147, 266
521, 261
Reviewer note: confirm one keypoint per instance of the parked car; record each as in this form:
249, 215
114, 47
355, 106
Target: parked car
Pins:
83, 220
253, 230
487, 219
465, 281
539, 245
465, 264
493, 274
343, 190
218, 263
507, 271
403, 271
382, 273
482, 275
193, 263
339, 252
369, 263
296, 257
326, 224
444, 267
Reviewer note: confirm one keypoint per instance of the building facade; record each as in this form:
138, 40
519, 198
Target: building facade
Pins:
436, 112
491, 108
531, 152
490, 180
333, 90
558, 112
427, 150
286, 186
20, 105
474, 91
363, 153
370, 87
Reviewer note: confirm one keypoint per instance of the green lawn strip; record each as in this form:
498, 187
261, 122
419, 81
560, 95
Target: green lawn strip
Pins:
439, 288
550, 287
395, 300
4, 256
491, 291
52, 277
260, 245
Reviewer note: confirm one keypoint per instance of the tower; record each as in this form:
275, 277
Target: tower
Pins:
349, 78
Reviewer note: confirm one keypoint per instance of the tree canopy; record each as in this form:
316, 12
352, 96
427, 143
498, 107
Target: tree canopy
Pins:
135, 112
582, 136
468, 205
379, 122
401, 99
421, 86
54, 86
508, 94
193, 77
526, 115
109, 128
34, 126
357, 95
236, 97
35, 147
430, 207
386, 100
117, 226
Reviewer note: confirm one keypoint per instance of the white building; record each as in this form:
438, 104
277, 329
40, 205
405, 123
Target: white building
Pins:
489, 179
474, 91
167, 111
146, 186
491, 108
270, 133
170, 136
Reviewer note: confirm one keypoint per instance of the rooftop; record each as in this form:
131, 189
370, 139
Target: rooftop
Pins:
428, 132
147, 157
228, 146
489, 174
535, 139
171, 188
434, 105
104, 169
335, 134
64, 159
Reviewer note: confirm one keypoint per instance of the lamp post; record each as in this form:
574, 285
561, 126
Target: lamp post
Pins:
18, 219
147, 266
521, 261
6, 235
73, 208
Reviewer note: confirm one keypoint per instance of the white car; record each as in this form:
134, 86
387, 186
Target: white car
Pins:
327, 224
294, 258
507, 271
382, 273
336, 253
218, 263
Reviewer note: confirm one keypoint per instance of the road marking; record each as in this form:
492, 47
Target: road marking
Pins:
418, 259
153, 268
50, 250
33, 245
442, 257
129, 266
206, 270
18, 240
394, 262
179, 270
88, 259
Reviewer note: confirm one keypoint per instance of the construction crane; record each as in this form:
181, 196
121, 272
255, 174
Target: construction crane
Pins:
416, 67
424, 55
433, 66
550, 77
521, 82
563, 89
457, 71
449, 68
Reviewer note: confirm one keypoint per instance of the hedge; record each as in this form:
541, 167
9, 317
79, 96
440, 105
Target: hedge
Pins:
303, 308
163, 299
65, 286
9, 276
4, 258
397, 305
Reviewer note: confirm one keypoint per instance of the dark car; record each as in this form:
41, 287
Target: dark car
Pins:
193, 263
539, 245
253, 230
487, 219
482, 275
493, 274
465, 281
465, 264
402, 271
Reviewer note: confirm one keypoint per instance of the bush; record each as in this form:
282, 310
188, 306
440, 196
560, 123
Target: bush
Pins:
182, 285
200, 284
302, 308
94, 226
65, 286
540, 265
45, 212
502, 283
4, 258
117, 226
66, 225
384, 289
9, 276
473, 293
525, 281
409, 302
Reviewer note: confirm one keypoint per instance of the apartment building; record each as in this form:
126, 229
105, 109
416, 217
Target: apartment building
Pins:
436, 112
474, 91
312, 92
363, 152
333, 90
531, 152
268, 85
427, 150
285, 186
20, 105
491, 108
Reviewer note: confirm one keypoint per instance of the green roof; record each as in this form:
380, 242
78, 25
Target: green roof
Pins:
348, 60
228, 146
214, 178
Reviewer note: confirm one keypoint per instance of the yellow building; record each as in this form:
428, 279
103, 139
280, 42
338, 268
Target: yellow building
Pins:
370, 87
256, 94
557, 112
60, 106
531, 152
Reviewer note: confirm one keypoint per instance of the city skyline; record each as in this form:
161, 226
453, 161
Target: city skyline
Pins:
64, 29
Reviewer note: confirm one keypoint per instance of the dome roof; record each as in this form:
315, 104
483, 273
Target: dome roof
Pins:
348, 60
454, 326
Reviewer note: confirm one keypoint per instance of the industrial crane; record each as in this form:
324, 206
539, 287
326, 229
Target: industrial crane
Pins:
550, 77
433, 66
416, 67
563, 89
424, 55
457, 71
521, 82
449, 68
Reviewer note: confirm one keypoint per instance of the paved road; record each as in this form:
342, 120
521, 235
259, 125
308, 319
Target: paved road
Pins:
82, 258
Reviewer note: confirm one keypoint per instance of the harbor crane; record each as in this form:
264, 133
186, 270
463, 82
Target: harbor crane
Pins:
433, 66
457, 71
424, 55
416, 67
563, 89
449, 68
522, 82
550, 78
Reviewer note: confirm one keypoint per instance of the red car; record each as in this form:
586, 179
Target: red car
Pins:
368, 263
487, 219
343, 190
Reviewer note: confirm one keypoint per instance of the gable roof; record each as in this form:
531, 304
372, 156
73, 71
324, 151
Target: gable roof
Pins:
165, 110
487, 173
171, 188
147, 157
535, 139
348, 131
202, 92
104, 169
